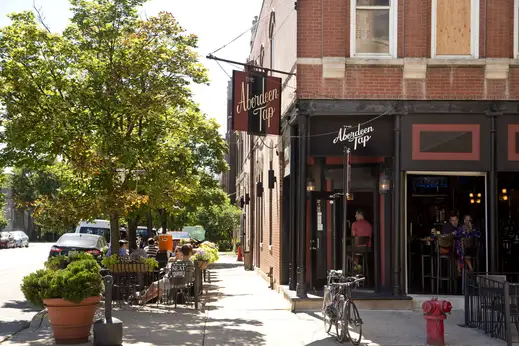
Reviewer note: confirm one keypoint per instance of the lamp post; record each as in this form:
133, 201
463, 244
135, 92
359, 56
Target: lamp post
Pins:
384, 188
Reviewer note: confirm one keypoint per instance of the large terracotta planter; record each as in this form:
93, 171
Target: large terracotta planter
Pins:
71, 322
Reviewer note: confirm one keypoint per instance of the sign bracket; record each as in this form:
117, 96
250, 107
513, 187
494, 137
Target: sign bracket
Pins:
212, 57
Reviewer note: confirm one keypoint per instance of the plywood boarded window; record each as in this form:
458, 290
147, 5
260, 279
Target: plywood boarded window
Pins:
455, 27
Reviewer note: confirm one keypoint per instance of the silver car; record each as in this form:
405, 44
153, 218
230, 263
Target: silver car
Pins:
21, 239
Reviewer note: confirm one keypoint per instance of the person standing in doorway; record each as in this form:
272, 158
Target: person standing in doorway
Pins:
360, 228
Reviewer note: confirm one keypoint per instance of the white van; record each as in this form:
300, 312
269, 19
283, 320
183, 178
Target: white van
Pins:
99, 227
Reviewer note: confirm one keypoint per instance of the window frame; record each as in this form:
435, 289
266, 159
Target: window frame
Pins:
474, 32
393, 31
516, 29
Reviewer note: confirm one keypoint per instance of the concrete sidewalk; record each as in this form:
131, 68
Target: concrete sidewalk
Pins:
241, 310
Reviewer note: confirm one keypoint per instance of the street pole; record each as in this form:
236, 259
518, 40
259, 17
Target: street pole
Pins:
346, 183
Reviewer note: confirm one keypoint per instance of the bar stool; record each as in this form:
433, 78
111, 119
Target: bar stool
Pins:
445, 251
361, 248
427, 254
470, 248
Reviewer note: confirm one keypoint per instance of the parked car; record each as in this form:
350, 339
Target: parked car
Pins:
142, 231
7, 240
97, 227
70, 243
21, 239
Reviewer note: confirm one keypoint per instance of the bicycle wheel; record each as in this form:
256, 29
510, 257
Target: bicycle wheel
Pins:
341, 324
327, 300
353, 323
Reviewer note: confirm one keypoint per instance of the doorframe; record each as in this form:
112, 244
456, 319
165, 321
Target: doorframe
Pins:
456, 174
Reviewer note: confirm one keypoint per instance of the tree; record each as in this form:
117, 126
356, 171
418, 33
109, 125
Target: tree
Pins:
219, 221
109, 97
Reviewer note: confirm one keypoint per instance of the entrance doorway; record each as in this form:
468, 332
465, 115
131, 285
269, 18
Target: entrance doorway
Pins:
432, 201
326, 225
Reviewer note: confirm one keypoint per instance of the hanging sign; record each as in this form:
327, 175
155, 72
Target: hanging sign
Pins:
256, 103
358, 138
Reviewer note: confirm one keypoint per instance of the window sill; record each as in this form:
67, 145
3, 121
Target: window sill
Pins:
375, 60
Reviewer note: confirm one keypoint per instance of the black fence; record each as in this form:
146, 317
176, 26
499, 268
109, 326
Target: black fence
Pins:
136, 284
491, 304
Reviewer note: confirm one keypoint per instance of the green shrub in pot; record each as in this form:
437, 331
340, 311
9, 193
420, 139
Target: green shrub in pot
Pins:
73, 279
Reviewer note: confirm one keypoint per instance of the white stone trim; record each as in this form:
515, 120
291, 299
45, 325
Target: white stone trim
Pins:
474, 32
334, 67
371, 61
309, 61
497, 68
393, 30
415, 68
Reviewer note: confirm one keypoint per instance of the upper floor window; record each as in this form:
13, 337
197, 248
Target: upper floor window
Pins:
455, 29
373, 28
516, 29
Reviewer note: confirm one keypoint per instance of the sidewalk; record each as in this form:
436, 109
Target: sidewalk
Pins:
242, 310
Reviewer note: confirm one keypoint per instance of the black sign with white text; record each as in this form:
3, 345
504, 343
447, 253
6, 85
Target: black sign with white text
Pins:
330, 134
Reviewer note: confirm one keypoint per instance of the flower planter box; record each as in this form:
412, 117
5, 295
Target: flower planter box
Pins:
131, 268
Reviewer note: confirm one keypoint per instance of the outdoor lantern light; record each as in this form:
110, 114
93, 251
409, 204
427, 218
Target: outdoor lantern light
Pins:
471, 195
310, 185
384, 185
505, 198
478, 201
471, 201
479, 195
504, 191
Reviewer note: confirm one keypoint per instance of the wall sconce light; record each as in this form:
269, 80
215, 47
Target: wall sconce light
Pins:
247, 199
310, 185
478, 201
384, 184
259, 189
242, 202
479, 195
504, 191
505, 198
472, 201
349, 197
471, 195
272, 179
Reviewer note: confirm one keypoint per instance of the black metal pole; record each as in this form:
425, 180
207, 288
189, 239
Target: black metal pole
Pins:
492, 200
397, 223
301, 289
345, 210
292, 266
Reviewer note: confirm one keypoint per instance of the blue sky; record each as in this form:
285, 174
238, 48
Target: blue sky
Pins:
215, 22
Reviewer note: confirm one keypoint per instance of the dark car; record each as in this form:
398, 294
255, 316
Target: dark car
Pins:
7, 240
71, 243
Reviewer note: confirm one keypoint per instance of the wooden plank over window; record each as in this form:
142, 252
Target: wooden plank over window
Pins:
453, 27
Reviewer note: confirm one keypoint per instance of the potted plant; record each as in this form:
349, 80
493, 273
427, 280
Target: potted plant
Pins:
202, 257
70, 288
117, 264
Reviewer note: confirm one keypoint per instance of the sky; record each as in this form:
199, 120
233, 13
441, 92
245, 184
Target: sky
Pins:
216, 23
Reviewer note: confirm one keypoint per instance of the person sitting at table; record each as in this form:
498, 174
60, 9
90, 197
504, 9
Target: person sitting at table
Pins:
466, 231
360, 228
123, 248
177, 255
158, 288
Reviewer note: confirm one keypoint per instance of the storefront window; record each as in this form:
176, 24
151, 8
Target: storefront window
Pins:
445, 142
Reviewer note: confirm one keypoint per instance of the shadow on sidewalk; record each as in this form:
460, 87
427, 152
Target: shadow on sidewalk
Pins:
19, 305
225, 265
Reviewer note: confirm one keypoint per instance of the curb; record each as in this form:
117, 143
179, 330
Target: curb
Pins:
39, 320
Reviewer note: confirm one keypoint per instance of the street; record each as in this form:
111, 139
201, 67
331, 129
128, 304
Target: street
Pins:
14, 265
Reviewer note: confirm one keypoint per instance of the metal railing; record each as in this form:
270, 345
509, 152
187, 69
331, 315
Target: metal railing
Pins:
137, 285
491, 304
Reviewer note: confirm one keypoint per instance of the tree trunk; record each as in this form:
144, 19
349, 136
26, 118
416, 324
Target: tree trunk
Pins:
149, 222
164, 220
132, 232
114, 233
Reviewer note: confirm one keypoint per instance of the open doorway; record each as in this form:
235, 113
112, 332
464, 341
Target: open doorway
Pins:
508, 221
433, 202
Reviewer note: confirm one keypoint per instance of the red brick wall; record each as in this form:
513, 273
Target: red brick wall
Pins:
323, 31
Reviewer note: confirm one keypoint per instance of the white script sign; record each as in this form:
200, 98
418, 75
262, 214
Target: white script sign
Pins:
359, 137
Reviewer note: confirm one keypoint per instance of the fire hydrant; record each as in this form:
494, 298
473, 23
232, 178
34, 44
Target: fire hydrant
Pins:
435, 311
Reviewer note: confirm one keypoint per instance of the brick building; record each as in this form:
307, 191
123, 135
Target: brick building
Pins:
424, 96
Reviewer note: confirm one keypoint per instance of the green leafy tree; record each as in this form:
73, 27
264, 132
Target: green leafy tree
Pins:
109, 97
219, 221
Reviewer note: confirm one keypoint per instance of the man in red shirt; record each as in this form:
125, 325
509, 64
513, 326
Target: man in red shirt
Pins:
360, 228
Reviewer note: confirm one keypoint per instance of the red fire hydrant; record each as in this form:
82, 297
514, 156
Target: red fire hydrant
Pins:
435, 311
240, 256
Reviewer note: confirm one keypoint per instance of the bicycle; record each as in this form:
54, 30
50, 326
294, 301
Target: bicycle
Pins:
338, 307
